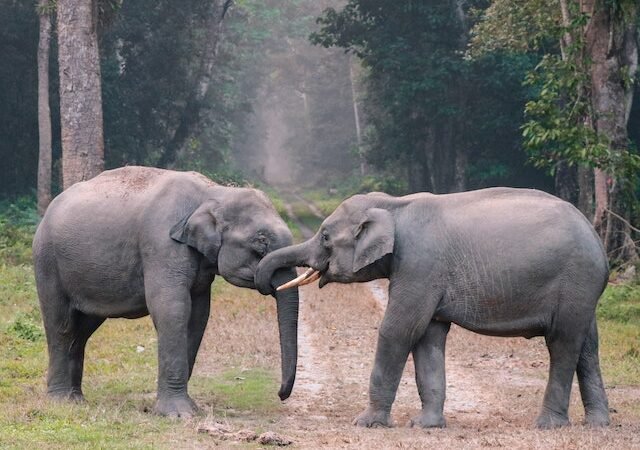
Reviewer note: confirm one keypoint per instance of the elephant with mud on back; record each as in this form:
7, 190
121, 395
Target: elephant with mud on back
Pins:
500, 261
136, 241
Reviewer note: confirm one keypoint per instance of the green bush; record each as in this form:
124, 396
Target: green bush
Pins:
620, 303
27, 326
18, 220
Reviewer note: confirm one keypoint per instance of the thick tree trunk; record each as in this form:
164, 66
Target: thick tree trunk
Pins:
191, 116
566, 182
612, 47
44, 113
586, 191
80, 91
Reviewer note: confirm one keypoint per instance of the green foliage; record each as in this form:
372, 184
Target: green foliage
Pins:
560, 120
618, 315
17, 224
516, 25
27, 326
425, 102
559, 126
620, 303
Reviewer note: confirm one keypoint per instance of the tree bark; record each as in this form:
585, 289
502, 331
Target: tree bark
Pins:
80, 91
44, 112
586, 191
612, 47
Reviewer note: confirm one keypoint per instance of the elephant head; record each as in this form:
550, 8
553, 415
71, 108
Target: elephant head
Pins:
234, 228
351, 245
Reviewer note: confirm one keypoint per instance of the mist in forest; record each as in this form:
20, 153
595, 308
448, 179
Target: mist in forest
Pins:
303, 126
352, 95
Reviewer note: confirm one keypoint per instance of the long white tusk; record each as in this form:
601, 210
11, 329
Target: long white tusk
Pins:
314, 276
296, 281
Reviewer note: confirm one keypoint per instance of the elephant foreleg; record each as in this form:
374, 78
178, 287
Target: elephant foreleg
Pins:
200, 308
405, 320
170, 309
428, 357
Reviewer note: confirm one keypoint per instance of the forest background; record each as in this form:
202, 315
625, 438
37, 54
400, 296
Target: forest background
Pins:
358, 95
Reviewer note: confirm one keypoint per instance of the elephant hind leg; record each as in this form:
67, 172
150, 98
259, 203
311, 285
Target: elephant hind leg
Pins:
592, 390
428, 357
68, 331
564, 340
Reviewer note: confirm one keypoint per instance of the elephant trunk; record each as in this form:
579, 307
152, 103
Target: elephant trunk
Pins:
287, 305
293, 256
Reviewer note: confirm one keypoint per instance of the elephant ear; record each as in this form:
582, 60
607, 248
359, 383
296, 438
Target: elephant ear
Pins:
199, 230
374, 238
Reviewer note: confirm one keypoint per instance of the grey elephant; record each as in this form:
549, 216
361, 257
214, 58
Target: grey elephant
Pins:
499, 261
136, 241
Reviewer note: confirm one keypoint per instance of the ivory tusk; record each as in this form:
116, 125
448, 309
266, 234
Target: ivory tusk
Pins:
296, 281
314, 276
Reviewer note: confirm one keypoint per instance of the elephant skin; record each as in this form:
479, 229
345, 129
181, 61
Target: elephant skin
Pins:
499, 261
136, 241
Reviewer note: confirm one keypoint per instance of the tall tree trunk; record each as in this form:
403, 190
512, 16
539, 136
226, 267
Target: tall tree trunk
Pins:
356, 117
80, 91
586, 191
566, 182
191, 116
44, 112
612, 48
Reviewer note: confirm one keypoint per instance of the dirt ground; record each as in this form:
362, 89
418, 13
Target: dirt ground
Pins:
494, 386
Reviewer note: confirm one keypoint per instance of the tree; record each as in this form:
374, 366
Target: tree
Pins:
80, 90
44, 112
426, 104
580, 115
190, 119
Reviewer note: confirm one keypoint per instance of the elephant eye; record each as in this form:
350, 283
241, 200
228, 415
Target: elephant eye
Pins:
260, 245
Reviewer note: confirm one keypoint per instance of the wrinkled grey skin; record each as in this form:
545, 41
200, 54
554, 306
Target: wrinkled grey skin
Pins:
137, 241
501, 262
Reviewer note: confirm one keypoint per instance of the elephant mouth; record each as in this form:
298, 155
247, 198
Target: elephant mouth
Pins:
240, 282
309, 276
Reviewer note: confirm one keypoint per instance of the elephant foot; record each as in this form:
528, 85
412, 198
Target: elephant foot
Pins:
372, 418
596, 418
176, 407
548, 420
427, 419
66, 394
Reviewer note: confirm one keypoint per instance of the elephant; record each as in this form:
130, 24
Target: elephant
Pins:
498, 261
139, 241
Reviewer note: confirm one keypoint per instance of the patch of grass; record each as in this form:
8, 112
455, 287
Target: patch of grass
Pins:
27, 326
306, 216
620, 303
279, 205
618, 321
241, 391
620, 352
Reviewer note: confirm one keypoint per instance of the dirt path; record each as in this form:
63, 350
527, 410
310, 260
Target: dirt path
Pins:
494, 386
